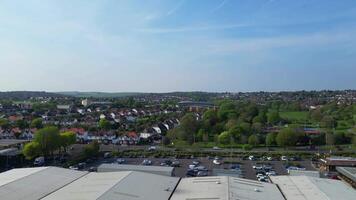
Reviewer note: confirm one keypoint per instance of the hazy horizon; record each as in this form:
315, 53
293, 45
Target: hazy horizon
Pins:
177, 45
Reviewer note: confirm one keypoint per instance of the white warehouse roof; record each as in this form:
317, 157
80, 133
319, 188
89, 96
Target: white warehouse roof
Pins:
310, 188
52, 183
225, 188
159, 170
119, 186
37, 184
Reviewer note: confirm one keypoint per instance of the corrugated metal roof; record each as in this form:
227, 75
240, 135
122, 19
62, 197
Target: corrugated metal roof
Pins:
349, 172
142, 186
225, 188
159, 170
39, 184
315, 174
309, 188
15, 174
90, 186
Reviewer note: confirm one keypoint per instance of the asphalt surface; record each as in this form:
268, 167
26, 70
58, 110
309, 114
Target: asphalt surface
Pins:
246, 165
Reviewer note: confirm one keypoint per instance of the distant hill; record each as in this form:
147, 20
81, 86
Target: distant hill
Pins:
27, 94
99, 94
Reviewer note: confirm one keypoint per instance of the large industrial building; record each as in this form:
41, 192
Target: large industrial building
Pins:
52, 183
310, 188
159, 170
348, 174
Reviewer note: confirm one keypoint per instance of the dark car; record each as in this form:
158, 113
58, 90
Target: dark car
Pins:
191, 173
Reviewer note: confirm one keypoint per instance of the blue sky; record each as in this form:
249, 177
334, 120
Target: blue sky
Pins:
180, 45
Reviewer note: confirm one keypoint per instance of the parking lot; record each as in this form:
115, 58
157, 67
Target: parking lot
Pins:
245, 165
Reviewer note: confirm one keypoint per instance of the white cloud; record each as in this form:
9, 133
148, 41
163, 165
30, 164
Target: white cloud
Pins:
223, 2
266, 43
175, 8
191, 28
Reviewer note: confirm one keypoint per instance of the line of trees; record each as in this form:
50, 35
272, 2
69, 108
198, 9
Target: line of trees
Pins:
48, 141
247, 123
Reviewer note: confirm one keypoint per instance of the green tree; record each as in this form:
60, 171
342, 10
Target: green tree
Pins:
92, 149
22, 124
104, 124
257, 127
4, 123
273, 117
31, 150
225, 138
189, 126
328, 122
287, 137
316, 115
354, 140
67, 138
166, 141
236, 133
253, 140
231, 123
271, 139
225, 109
329, 139
210, 118
49, 140
36, 123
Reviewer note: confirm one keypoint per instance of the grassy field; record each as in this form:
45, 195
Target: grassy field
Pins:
294, 116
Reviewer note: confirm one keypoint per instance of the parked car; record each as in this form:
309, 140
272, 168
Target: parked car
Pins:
146, 162
191, 173
202, 173
120, 161
82, 165
107, 155
93, 169
166, 163
216, 162
216, 148
271, 173
40, 161
251, 158
191, 166
236, 166
175, 163
152, 148
284, 158
74, 167
196, 162
201, 168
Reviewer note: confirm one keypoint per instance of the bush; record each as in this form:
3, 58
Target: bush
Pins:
247, 147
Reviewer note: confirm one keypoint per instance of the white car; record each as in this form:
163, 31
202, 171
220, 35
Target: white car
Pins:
263, 179
271, 173
74, 167
216, 148
196, 163
191, 166
216, 162
251, 157
147, 162
152, 148
284, 158
260, 175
